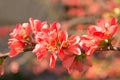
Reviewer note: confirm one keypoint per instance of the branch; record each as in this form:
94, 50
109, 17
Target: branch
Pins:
109, 49
4, 55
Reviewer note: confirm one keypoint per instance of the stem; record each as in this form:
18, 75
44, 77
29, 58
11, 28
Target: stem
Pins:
109, 48
4, 55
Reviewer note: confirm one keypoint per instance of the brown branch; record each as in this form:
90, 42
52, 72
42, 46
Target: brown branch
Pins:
4, 55
109, 49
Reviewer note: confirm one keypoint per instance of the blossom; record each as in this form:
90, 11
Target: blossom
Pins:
69, 49
46, 41
20, 39
16, 47
89, 43
21, 31
104, 28
75, 62
70, 63
37, 25
69, 45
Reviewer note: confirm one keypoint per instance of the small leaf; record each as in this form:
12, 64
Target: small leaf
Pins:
80, 57
106, 43
103, 43
110, 39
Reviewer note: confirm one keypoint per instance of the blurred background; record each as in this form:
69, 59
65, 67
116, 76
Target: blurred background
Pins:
75, 16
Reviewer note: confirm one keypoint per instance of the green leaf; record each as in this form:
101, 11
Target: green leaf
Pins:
110, 39
106, 42
103, 43
81, 57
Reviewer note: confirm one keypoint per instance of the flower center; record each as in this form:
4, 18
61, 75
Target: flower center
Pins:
52, 48
65, 44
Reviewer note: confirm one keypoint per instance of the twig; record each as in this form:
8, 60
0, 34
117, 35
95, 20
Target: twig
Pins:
4, 55
109, 49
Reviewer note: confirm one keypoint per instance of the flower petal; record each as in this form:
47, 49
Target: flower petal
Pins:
53, 58
61, 54
68, 60
113, 21
91, 50
62, 36
13, 53
75, 50
55, 26
73, 40
40, 56
77, 65
113, 29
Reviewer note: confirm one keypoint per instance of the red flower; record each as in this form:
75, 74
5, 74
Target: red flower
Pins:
37, 25
21, 31
43, 49
16, 47
89, 43
46, 41
75, 62
104, 29
47, 33
71, 63
20, 39
68, 46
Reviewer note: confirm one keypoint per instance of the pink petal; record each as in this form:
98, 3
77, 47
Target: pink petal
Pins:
113, 29
55, 26
114, 21
79, 66
85, 37
92, 29
75, 50
32, 23
61, 54
40, 56
74, 39
36, 25
39, 48
13, 53
27, 28
67, 62
53, 58
91, 50
62, 36
16, 30
98, 34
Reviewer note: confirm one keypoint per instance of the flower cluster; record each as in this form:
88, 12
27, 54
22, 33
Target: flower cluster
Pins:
103, 31
49, 41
